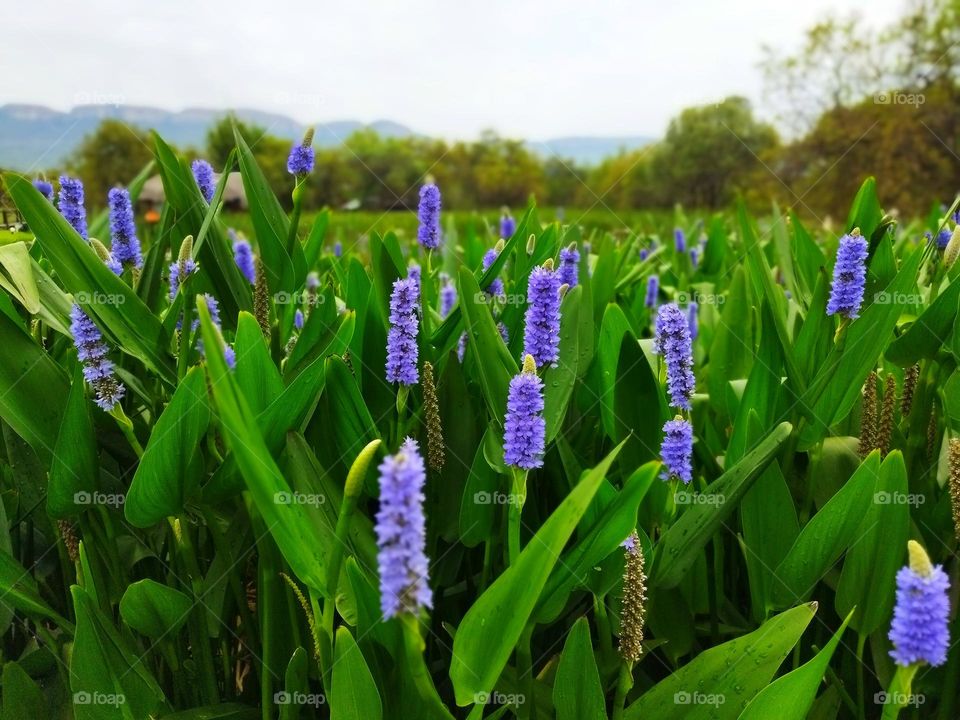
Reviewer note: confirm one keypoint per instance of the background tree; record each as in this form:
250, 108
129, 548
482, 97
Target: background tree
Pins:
112, 155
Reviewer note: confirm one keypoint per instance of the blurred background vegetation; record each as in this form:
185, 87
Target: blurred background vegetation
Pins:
849, 103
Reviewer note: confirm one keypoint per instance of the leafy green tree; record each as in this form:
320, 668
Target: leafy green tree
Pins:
113, 154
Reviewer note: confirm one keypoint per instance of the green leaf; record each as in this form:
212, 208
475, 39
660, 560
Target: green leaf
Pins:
929, 332
577, 694
16, 276
725, 676
683, 543
19, 591
869, 574
354, 695
480, 655
828, 534
107, 678
296, 686
153, 609
33, 389
172, 465
558, 381
791, 696
256, 374
74, 467
22, 697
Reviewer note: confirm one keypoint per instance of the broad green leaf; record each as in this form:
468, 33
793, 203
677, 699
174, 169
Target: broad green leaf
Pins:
354, 695
577, 694
791, 696
718, 682
154, 609
171, 466
479, 652
929, 332
18, 590
256, 374
870, 568
33, 389
74, 467
683, 543
828, 534
558, 381
108, 679
22, 697
295, 687
16, 276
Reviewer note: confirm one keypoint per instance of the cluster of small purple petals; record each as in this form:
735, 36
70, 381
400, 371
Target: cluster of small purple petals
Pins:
462, 347
113, 264
919, 631
203, 174
70, 204
569, 267
630, 542
402, 350
508, 226
672, 340
92, 353
243, 257
338, 249
694, 257
644, 254
414, 273
401, 533
849, 277
504, 333
428, 213
679, 241
298, 319
313, 281
693, 322
300, 160
541, 337
524, 435
190, 267
45, 188
213, 307
653, 288
495, 288
123, 229
676, 451
943, 237
448, 298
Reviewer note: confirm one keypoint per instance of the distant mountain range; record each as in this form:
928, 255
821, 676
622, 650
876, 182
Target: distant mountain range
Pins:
36, 137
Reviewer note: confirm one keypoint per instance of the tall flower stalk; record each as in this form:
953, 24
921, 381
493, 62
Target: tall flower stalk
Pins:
541, 338
92, 351
125, 245
70, 204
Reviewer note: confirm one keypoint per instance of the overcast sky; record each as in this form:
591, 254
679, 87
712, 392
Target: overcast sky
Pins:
527, 69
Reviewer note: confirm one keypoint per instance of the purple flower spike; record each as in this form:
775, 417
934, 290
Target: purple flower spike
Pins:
243, 257
428, 213
849, 277
338, 249
45, 188
919, 631
693, 322
569, 266
524, 436
92, 352
653, 288
123, 229
495, 288
672, 340
508, 226
300, 161
70, 204
679, 240
401, 533
402, 350
203, 174
190, 266
541, 337
677, 450
943, 237
448, 298
462, 347
298, 319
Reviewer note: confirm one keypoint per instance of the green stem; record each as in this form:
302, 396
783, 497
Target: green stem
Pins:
624, 683
514, 509
898, 696
603, 625
414, 647
527, 709
861, 709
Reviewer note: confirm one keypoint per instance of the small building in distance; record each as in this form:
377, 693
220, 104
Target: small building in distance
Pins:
234, 197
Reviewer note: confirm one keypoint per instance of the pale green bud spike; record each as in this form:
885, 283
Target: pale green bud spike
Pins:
186, 249
563, 289
529, 364
855, 232
953, 248
499, 246
101, 249
548, 264
531, 244
308, 137
919, 560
